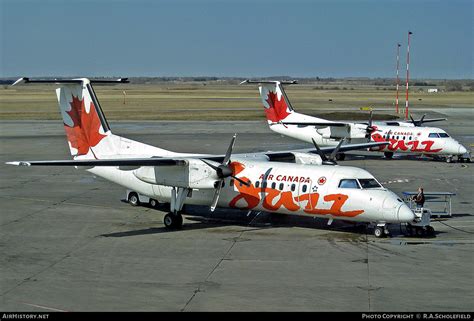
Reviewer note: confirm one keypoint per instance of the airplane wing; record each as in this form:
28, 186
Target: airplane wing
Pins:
432, 120
275, 156
104, 162
348, 147
181, 161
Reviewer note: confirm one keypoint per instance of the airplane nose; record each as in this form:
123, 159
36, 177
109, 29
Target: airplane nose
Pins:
405, 214
462, 150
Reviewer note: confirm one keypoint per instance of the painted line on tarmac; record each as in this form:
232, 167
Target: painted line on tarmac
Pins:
43, 307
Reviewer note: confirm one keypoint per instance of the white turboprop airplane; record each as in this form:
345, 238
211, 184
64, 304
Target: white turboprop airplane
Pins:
265, 181
403, 137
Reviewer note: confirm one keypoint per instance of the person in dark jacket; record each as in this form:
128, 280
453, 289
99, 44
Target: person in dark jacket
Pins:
419, 198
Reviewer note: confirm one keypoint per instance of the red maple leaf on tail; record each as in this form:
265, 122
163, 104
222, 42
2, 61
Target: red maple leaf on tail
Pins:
84, 132
278, 109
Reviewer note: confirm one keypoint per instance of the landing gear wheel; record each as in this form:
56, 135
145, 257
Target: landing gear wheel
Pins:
379, 232
153, 203
388, 155
420, 231
340, 156
133, 199
409, 230
449, 159
430, 230
173, 221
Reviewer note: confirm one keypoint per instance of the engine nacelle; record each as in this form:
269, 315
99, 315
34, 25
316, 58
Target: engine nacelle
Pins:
358, 131
334, 132
194, 174
307, 159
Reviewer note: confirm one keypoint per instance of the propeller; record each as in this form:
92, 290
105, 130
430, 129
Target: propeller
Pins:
223, 171
332, 157
370, 128
418, 123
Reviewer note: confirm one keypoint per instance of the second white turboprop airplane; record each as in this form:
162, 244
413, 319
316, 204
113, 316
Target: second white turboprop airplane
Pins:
308, 185
402, 137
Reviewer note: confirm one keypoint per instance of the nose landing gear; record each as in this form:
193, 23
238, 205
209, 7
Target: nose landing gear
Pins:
381, 230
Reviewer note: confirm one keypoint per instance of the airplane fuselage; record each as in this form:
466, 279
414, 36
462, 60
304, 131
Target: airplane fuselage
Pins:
402, 139
293, 189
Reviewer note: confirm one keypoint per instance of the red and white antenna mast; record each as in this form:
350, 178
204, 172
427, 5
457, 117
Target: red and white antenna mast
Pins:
408, 74
398, 78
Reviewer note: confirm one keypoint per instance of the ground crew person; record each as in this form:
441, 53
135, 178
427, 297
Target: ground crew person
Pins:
419, 198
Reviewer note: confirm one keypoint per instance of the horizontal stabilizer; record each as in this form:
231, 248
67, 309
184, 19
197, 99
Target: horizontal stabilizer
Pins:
26, 80
283, 82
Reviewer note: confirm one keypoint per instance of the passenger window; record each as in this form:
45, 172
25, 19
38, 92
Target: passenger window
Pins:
348, 183
273, 185
409, 138
281, 186
293, 187
433, 135
257, 184
304, 188
403, 137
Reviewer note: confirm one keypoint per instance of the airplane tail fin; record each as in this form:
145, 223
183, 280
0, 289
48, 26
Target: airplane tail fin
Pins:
274, 99
87, 130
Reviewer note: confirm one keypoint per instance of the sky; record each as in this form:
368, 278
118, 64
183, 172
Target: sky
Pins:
338, 38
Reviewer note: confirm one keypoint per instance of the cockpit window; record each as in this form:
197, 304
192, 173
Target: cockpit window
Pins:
433, 135
369, 183
443, 135
348, 183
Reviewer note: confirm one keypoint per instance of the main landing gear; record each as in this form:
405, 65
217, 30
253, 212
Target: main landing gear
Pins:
174, 219
460, 159
388, 155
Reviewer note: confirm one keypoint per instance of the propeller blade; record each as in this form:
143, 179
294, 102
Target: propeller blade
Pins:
413, 121
370, 129
421, 120
210, 165
229, 151
336, 150
215, 199
241, 180
320, 152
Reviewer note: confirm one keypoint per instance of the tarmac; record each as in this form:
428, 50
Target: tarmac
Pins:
70, 243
